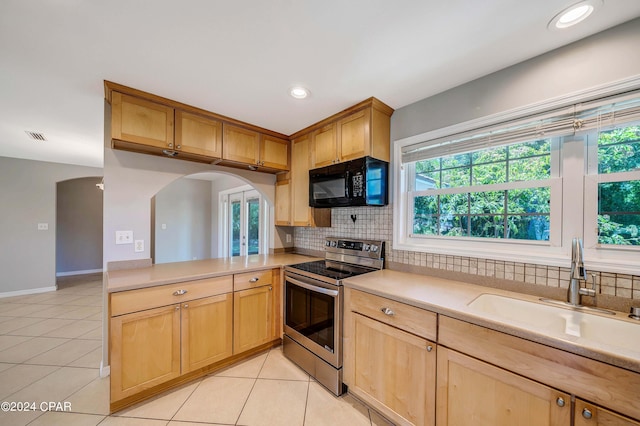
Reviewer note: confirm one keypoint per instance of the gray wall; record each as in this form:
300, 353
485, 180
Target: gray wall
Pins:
184, 207
78, 226
606, 57
28, 197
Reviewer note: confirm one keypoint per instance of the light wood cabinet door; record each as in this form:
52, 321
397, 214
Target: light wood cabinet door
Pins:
198, 135
240, 145
253, 314
392, 370
324, 148
283, 203
207, 331
140, 121
354, 137
274, 153
145, 350
472, 392
300, 162
591, 415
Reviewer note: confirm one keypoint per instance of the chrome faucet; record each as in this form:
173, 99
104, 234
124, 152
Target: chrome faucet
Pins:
578, 272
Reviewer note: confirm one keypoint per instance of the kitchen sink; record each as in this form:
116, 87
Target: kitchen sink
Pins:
597, 331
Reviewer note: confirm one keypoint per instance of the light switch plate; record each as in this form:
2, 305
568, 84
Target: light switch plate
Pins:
124, 237
139, 246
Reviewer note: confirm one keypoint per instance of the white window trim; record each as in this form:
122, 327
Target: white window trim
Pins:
553, 253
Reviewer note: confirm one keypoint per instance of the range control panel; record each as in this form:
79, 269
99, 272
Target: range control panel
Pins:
364, 248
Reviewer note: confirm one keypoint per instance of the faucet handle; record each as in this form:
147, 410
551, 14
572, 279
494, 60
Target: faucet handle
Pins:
590, 291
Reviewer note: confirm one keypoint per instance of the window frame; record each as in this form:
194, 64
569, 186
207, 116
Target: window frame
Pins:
575, 198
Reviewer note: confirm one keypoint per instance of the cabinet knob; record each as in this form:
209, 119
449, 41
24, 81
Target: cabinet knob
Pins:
586, 413
254, 280
170, 145
179, 292
429, 348
560, 401
178, 146
185, 305
270, 288
177, 308
387, 311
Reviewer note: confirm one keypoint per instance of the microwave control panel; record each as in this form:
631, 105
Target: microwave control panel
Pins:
357, 182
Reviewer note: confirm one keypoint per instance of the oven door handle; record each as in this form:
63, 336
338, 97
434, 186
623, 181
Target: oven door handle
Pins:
312, 287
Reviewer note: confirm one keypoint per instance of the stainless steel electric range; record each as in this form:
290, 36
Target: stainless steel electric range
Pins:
313, 299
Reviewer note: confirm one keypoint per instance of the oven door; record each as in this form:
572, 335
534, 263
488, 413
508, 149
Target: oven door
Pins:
313, 316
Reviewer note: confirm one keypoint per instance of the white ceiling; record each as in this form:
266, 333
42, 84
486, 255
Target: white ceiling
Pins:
239, 58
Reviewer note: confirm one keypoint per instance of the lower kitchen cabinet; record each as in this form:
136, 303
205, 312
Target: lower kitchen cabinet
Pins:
253, 318
587, 414
207, 335
145, 350
472, 392
395, 369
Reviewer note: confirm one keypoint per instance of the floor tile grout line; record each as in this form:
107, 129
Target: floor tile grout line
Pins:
185, 400
306, 404
244, 405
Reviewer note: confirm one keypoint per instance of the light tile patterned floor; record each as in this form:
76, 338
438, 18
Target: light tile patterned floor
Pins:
50, 350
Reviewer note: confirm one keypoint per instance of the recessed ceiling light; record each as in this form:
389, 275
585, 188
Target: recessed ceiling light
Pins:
299, 92
574, 14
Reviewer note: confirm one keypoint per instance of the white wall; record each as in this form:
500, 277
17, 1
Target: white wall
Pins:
606, 57
28, 197
78, 226
183, 221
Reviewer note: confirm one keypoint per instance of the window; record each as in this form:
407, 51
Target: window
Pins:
521, 190
501, 192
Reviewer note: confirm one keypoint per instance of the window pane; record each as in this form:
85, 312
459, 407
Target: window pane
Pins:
453, 225
533, 168
487, 226
532, 200
487, 202
456, 161
253, 226
619, 150
426, 205
454, 204
489, 155
455, 178
487, 174
527, 149
427, 180
428, 165
235, 228
528, 227
619, 212
425, 224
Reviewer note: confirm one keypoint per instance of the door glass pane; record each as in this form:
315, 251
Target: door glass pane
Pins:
235, 228
253, 226
311, 314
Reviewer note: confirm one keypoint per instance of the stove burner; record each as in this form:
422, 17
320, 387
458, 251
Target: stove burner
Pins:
331, 270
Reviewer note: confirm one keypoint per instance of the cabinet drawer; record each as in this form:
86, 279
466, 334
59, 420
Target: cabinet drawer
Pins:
252, 279
162, 295
405, 317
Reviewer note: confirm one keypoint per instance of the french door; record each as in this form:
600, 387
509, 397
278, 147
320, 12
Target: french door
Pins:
245, 223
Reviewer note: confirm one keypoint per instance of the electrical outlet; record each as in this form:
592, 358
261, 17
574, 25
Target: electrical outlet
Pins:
163, 226
139, 246
124, 237
43, 227
288, 238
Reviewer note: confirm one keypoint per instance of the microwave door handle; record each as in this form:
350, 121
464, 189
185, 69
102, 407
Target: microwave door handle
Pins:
347, 182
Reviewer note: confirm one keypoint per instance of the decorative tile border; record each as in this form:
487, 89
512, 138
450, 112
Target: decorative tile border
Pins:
376, 223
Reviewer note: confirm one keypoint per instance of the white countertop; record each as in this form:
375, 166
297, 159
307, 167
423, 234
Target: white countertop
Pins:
451, 298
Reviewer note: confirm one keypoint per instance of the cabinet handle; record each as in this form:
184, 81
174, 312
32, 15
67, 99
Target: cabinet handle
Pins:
178, 146
179, 292
185, 305
254, 280
429, 348
560, 401
586, 413
387, 311
177, 308
270, 288
170, 145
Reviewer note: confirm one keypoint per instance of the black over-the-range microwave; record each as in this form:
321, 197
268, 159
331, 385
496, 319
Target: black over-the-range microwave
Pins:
360, 182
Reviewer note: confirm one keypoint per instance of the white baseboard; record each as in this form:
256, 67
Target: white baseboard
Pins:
71, 273
28, 291
105, 370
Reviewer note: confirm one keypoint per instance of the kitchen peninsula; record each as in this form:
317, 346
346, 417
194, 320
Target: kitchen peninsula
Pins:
171, 323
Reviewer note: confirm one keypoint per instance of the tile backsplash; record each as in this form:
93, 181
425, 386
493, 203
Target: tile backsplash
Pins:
376, 223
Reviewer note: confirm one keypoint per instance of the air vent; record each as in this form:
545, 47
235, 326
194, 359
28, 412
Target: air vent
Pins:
36, 136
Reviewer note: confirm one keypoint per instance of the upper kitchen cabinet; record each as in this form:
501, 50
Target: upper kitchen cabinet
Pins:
149, 124
140, 121
241, 145
197, 134
360, 131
